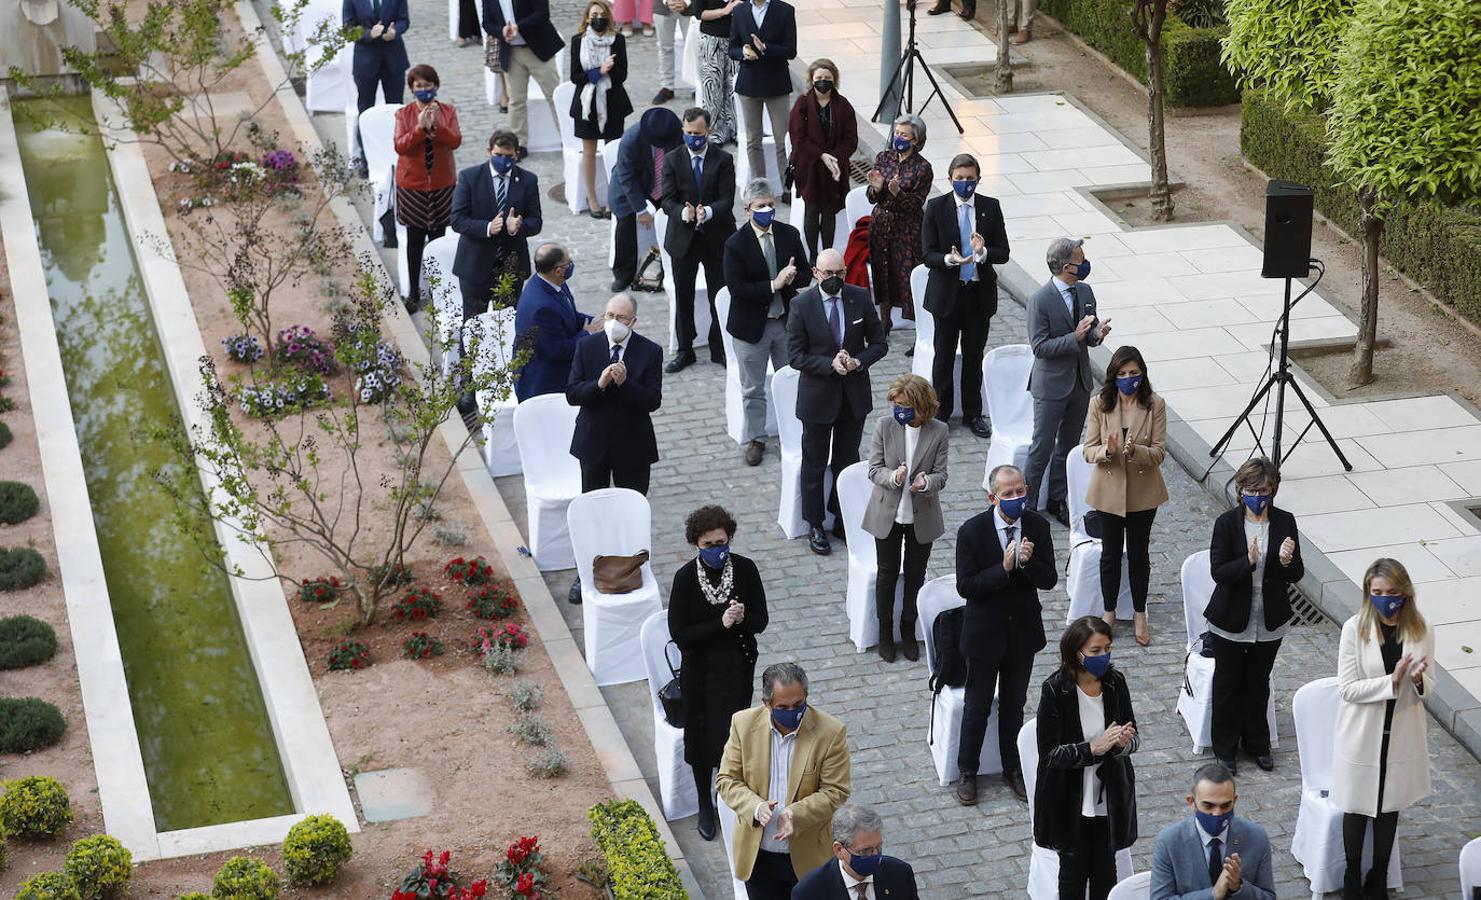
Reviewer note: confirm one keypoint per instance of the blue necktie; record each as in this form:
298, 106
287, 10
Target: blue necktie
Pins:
616, 353
699, 164
969, 268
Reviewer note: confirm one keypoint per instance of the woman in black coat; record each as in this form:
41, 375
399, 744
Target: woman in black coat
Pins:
600, 104
1254, 555
1085, 795
717, 606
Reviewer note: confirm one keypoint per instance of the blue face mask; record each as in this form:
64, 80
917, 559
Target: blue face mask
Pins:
1213, 824
1129, 384
904, 414
715, 556
426, 96
696, 142
964, 188
1082, 271
901, 143
762, 217
789, 718
1012, 509
866, 866
1256, 503
502, 164
1098, 665
570, 269
1388, 607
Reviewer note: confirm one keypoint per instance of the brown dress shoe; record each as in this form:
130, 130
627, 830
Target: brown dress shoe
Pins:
1015, 781
939, 9
754, 451
966, 790
1020, 37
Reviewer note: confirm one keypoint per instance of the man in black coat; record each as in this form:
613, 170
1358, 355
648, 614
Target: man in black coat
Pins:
858, 861
1004, 557
698, 198
617, 381
495, 211
635, 185
962, 236
833, 337
763, 41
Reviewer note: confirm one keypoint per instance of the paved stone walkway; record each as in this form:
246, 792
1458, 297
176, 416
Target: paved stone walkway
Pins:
957, 852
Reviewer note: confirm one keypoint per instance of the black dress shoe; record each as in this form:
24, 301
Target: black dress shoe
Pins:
681, 361
910, 351
663, 96
966, 789
618, 285
817, 541
937, 10
1266, 762
718, 358
968, 12
1229, 765
980, 426
909, 648
574, 595
707, 824
1015, 781
886, 646
754, 451
1060, 512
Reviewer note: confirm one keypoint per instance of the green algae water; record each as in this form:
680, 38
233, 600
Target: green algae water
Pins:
209, 753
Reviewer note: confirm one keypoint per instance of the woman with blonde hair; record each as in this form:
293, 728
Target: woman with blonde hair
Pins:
1381, 760
907, 463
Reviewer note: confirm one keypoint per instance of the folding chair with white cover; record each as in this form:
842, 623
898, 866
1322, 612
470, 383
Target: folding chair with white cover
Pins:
687, 57
493, 332
544, 134
613, 522
543, 427
377, 133
1043, 864
1317, 843
447, 299
856, 206
1470, 869
854, 491
571, 149
944, 729
1083, 581
1009, 405
925, 335
661, 659
328, 87
726, 815
782, 397
1137, 887
452, 20
701, 292
735, 414
646, 236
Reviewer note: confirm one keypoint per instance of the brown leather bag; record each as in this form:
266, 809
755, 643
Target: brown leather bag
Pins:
618, 574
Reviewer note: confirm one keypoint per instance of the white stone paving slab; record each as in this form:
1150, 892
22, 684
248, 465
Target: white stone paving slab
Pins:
1417, 484
1448, 602
1372, 527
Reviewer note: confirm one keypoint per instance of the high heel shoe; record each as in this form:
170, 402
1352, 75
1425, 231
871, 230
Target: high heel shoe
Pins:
1143, 629
1109, 618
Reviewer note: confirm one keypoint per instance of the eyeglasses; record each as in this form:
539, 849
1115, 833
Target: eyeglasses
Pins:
614, 317
828, 273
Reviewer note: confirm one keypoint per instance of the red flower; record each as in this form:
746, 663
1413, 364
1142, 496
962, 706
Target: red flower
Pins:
525, 884
442, 860
478, 888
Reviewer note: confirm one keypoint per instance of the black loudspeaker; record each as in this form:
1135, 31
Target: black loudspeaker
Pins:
1288, 208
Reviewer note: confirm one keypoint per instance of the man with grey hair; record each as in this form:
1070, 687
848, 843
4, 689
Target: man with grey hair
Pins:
859, 869
785, 772
765, 266
1062, 327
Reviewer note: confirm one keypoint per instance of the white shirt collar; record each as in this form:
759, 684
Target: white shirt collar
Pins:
622, 343
758, 229
998, 520
495, 172
849, 881
700, 154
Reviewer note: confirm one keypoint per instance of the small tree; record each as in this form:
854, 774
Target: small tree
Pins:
1148, 17
1005, 63
1287, 48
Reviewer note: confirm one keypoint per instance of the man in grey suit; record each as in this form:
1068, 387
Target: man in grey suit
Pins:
1062, 327
1213, 854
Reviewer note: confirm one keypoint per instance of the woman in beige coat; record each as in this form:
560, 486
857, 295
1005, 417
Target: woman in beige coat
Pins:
1126, 441
907, 463
1380, 761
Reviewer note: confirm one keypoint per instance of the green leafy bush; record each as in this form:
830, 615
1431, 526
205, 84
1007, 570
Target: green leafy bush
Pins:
34, 806
637, 864
246, 878
315, 849
25, 641
100, 866
4, 853
48, 886
194, 895
18, 502
5, 435
20, 567
28, 724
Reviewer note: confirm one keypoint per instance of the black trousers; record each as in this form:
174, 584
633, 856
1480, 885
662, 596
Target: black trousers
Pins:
468, 24
686, 267
625, 250
1354, 832
818, 224
968, 326
1007, 676
1133, 534
1241, 692
416, 241
595, 476
375, 67
887, 557
1092, 863
772, 878
842, 436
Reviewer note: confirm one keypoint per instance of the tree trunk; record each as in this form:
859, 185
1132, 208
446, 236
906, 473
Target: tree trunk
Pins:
1161, 194
1005, 64
1370, 227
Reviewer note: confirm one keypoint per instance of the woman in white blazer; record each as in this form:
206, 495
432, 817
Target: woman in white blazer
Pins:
1381, 755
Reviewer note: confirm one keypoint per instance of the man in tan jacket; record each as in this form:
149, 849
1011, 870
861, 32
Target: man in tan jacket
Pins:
785, 771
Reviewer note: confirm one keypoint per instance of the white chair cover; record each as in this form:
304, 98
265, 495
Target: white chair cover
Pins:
854, 491
701, 292
782, 397
447, 299
1470, 868
726, 815
735, 414
682, 79
925, 336
688, 56
1009, 405
1137, 887
494, 331
544, 134
613, 522
856, 206
676, 788
571, 148
543, 427
331, 86
944, 728
377, 132
1317, 843
1043, 864
452, 20
1083, 582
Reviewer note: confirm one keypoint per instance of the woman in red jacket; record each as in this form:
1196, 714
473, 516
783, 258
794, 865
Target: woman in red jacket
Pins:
824, 136
426, 136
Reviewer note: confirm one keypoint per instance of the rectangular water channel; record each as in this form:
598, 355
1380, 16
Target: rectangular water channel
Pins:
209, 751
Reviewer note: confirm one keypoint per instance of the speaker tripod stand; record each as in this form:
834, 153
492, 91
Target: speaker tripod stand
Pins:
906, 68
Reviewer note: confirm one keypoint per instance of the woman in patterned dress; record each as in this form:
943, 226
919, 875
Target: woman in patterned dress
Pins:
716, 69
898, 185
426, 135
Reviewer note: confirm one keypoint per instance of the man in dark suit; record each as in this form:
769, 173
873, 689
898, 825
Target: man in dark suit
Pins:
380, 58
528, 43
1062, 327
1004, 557
833, 337
547, 325
495, 211
765, 267
962, 236
859, 869
636, 184
763, 40
617, 381
698, 198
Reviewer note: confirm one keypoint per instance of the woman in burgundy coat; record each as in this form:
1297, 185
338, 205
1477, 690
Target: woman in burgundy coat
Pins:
824, 136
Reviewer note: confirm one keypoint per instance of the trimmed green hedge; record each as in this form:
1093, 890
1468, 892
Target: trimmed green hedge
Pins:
25, 641
638, 867
1190, 56
1423, 240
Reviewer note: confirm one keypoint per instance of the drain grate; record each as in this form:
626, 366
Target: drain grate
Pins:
1303, 610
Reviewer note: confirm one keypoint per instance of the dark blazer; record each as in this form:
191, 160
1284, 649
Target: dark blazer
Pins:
823, 395
940, 231
1064, 751
718, 191
547, 326
532, 17
750, 281
767, 76
632, 176
1003, 607
1234, 582
619, 107
474, 206
615, 425
365, 63
1061, 363
895, 881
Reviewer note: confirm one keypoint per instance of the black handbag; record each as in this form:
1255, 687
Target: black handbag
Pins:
789, 176
671, 695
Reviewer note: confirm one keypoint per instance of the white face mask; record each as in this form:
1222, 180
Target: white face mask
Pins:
617, 332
